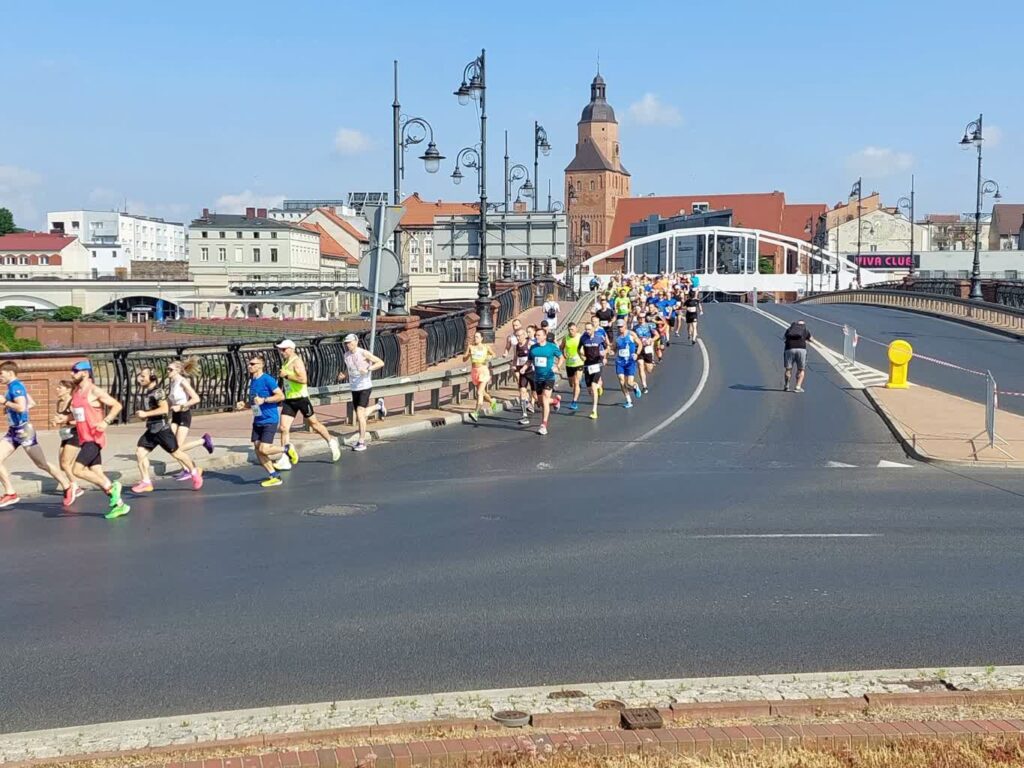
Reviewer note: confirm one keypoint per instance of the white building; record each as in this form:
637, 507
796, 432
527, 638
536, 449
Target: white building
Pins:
250, 246
114, 239
297, 210
881, 231
28, 255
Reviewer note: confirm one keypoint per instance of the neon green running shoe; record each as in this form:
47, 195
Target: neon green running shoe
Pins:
120, 510
115, 494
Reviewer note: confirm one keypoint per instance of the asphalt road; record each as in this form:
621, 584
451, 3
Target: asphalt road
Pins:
962, 345
489, 556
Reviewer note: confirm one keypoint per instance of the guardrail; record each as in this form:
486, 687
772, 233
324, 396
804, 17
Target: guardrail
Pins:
446, 336
1008, 293
982, 313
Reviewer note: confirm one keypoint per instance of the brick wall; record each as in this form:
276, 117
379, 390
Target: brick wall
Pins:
158, 270
55, 335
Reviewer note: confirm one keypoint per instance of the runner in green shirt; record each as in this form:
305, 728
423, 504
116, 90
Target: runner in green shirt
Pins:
573, 363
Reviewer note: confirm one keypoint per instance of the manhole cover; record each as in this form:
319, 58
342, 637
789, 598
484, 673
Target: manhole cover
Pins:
641, 717
609, 704
566, 694
340, 510
512, 718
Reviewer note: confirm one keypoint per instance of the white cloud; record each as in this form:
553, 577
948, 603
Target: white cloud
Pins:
878, 162
17, 192
650, 110
993, 136
349, 141
247, 199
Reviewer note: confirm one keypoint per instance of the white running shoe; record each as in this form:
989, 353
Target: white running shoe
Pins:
283, 464
543, 430
381, 408
335, 448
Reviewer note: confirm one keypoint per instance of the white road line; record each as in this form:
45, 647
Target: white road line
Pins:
785, 536
891, 464
840, 465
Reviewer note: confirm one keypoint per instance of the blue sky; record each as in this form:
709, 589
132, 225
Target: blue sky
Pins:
177, 106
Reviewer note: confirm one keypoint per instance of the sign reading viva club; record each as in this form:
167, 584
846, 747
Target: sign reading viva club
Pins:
886, 260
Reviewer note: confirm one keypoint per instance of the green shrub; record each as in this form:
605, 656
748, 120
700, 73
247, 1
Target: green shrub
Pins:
13, 313
10, 344
67, 313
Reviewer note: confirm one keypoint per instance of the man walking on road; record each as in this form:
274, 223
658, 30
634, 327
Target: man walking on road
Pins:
795, 353
294, 382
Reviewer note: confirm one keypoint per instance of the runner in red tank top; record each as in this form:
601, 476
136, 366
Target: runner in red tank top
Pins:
87, 406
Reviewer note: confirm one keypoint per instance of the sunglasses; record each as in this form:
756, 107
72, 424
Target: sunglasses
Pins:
252, 364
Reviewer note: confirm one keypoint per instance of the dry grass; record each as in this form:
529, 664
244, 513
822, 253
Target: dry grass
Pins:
789, 759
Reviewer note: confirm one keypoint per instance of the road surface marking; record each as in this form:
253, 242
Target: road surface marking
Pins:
890, 464
840, 465
784, 536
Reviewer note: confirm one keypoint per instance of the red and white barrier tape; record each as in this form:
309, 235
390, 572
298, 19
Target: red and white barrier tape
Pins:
1011, 394
954, 366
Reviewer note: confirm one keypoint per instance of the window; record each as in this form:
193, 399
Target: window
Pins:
204, 235
273, 235
428, 246
273, 255
700, 207
238, 255
204, 254
256, 255
238, 235
23, 259
74, 225
1010, 274
443, 267
94, 254
255, 235
414, 247
579, 186
222, 254
45, 260
414, 269
873, 248
223, 235
591, 185
457, 273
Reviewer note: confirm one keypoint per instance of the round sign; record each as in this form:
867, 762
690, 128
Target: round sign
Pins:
390, 270
900, 352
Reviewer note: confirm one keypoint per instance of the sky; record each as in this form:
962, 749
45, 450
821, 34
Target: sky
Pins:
172, 107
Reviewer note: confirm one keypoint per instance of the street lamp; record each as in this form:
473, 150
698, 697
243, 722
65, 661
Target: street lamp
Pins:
474, 87
856, 190
973, 135
907, 204
412, 130
541, 146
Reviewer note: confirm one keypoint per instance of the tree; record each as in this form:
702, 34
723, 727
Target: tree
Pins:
6, 221
9, 343
67, 313
13, 313
766, 265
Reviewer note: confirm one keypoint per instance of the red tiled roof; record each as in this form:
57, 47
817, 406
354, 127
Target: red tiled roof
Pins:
421, 214
1006, 218
942, 218
757, 211
347, 226
34, 241
330, 247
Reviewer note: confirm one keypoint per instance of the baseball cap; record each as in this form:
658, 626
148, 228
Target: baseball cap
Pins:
81, 365
350, 337
286, 344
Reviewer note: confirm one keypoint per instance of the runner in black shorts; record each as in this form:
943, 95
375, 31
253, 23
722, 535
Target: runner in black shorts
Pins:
524, 370
595, 347
158, 433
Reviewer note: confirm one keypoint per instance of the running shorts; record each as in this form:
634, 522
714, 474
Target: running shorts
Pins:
297, 405
23, 436
361, 398
526, 381
625, 368
163, 439
480, 375
541, 384
90, 455
264, 433
182, 419
572, 371
797, 357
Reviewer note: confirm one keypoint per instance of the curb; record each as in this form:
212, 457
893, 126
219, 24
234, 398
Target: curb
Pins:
907, 442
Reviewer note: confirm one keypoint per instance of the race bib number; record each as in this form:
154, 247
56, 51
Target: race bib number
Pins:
605, 323
648, 349
595, 368
78, 413
625, 354
521, 361
540, 362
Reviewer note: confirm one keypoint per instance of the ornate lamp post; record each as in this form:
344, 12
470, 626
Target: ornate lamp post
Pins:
907, 204
474, 88
407, 132
541, 146
973, 135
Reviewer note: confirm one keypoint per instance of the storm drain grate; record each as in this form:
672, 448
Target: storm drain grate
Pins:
340, 510
563, 694
638, 718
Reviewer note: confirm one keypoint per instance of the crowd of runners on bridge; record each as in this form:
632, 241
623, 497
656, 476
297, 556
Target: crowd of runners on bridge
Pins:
632, 322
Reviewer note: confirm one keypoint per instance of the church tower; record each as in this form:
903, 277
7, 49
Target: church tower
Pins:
596, 178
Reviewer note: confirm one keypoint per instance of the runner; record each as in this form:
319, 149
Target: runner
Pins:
645, 331
264, 395
545, 356
183, 398
622, 305
594, 343
795, 353
480, 355
294, 383
573, 363
359, 367
158, 433
69, 444
605, 315
87, 407
524, 370
551, 310
21, 434
626, 346
513, 338
693, 310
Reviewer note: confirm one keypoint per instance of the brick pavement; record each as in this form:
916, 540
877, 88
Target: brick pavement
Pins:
231, 430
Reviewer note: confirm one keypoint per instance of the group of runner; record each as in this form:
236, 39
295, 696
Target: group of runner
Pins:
633, 322
84, 411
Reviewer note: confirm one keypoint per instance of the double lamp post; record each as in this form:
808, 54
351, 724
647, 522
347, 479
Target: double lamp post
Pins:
973, 136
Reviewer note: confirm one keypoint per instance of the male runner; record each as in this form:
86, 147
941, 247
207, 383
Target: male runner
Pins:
158, 433
622, 305
21, 434
573, 363
296, 400
87, 406
594, 343
359, 367
644, 331
605, 316
524, 370
264, 395
693, 310
545, 356
795, 353
626, 347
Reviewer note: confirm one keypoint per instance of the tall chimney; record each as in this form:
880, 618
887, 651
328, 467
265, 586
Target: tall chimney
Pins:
206, 213
250, 213
261, 213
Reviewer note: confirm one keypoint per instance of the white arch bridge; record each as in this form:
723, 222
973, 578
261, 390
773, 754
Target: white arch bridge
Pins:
729, 259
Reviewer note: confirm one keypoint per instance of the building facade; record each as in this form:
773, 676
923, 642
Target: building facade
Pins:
881, 231
115, 239
251, 246
28, 255
595, 180
1007, 230
953, 232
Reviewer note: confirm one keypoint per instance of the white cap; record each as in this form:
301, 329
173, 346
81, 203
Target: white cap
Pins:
286, 344
350, 337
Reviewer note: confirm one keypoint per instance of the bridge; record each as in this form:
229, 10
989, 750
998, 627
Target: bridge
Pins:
729, 260
719, 527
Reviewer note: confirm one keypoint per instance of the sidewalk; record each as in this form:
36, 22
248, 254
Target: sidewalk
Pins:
231, 431
936, 427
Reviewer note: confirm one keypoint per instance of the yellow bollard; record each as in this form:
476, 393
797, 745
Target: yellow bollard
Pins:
900, 353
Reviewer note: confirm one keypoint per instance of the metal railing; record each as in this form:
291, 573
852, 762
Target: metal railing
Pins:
506, 306
982, 313
446, 336
1005, 292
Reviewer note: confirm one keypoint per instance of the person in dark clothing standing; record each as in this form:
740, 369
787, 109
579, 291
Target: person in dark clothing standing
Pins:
795, 354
